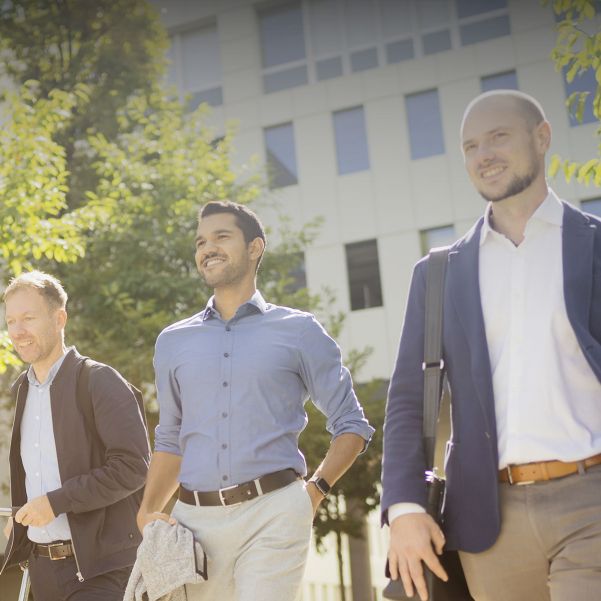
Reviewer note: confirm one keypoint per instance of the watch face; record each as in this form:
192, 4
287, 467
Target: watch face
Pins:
322, 486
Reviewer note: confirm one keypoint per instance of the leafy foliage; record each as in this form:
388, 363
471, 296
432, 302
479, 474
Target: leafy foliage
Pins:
577, 50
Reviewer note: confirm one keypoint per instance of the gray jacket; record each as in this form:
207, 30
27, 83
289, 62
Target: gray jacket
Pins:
168, 558
102, 476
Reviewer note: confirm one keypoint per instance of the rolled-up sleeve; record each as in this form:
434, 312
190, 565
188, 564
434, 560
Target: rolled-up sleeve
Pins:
167, 432
329, 382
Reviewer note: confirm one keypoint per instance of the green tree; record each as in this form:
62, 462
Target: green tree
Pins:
577, 50
34, 220
114, 47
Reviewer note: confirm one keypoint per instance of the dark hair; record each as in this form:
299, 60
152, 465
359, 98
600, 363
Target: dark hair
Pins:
246, 220
47, 285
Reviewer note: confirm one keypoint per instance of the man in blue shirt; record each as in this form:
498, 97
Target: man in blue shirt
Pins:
232, 381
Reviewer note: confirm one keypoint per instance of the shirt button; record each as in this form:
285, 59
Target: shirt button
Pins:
37, 417
36, 445
37, 473
224, 477
224, 414
225, 384
227, 328
224, 446
226, 355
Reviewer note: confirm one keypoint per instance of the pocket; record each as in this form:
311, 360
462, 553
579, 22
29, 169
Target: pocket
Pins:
307, 498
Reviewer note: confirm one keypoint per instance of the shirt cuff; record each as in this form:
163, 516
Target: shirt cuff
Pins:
399, 509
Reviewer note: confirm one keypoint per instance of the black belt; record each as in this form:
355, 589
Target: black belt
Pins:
58, 550
233, 495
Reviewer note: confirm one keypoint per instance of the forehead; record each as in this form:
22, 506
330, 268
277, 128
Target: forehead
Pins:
215, 223
491, 114
25, 300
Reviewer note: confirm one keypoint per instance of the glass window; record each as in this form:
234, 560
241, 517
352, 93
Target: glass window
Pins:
199, 73
281, 156
499, 81
469, 8
425, 124
399, 51
360, 22
363, 270
282, 34
200, 58
351, 140
397, 17
281, 80
364, 59
328, 68
432, 13
591, 205
435, 237
585, 82
472, 33
325, 25
438, 41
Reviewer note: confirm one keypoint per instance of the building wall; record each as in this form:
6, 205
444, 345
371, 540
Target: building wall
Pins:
397, 197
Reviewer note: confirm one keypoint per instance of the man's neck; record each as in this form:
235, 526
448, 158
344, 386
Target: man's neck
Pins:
510, 216
42, 368
229, 300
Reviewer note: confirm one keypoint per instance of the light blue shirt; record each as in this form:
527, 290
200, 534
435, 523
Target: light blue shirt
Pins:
232, 394
38, 453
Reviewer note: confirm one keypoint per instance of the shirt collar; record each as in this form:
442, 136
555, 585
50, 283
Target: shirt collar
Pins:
256, 300
550, 211
31, 377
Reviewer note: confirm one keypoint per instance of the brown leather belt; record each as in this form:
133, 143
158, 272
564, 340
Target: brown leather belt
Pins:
234, 495
545, 470
54, 551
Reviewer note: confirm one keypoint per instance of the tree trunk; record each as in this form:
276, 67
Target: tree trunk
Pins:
340, 566
360, 557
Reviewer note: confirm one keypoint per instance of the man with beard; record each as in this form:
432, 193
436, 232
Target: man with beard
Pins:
522, 353
77, 481
231, 382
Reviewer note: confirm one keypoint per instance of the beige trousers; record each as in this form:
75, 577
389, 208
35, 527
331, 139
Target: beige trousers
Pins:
549, 548
256, 550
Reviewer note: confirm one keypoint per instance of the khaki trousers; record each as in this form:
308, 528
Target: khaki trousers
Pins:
257, 550
549, 548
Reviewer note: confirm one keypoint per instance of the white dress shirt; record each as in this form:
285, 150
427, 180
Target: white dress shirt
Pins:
547, 398
38, 454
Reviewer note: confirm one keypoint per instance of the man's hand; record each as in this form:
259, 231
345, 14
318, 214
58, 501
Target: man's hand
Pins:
314, 494
36, 512
413, 538
8, 528
144, 518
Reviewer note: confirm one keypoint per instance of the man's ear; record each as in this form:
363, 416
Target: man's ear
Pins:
543, 136
256, 248
61, 318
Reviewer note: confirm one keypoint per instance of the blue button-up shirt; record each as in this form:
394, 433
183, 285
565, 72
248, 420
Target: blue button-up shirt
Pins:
38, 453
232, 393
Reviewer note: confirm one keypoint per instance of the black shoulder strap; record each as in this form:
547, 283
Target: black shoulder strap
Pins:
433, 364
83, 396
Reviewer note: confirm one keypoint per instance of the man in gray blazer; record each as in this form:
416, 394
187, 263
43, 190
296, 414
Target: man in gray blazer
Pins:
522, 352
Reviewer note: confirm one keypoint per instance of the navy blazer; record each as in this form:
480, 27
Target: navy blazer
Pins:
471, 515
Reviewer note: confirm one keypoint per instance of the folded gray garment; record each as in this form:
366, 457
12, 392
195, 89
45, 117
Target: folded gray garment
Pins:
168, 558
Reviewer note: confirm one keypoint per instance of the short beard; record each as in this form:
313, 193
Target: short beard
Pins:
516, 186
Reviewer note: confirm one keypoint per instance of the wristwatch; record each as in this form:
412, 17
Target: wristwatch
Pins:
321, 484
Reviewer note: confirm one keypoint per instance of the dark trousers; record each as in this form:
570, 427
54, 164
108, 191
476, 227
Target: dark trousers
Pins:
57, 581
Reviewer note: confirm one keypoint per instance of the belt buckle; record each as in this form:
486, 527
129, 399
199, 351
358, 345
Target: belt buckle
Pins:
509, 476
51, 556
222, 498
